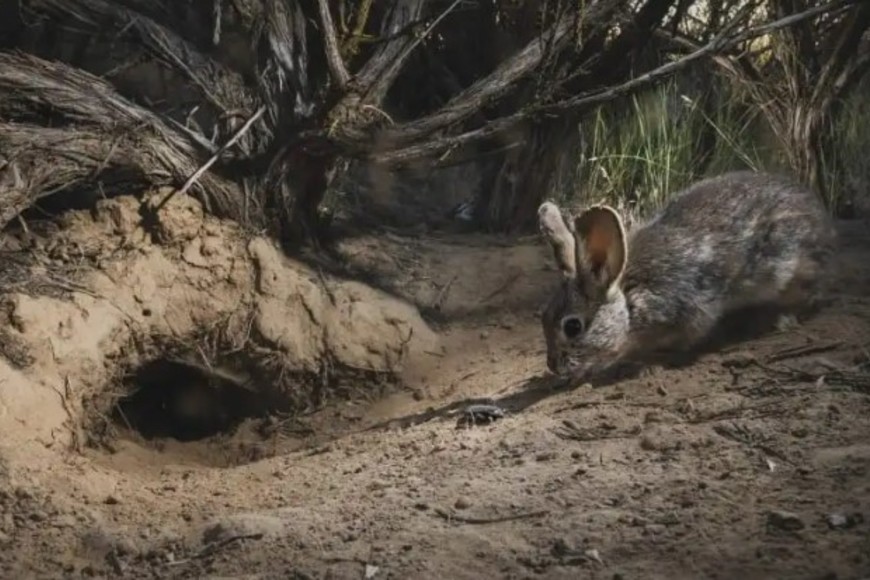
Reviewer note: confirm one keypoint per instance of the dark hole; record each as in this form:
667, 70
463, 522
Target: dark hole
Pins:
183, 401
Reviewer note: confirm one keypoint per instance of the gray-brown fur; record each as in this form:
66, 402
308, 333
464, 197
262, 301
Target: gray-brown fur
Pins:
725, 243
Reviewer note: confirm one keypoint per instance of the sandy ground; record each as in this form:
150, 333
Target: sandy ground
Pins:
753, 462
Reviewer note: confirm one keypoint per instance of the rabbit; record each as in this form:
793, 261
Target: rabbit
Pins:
739, 240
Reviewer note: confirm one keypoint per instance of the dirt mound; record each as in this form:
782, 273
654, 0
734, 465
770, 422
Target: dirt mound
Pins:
185, 322
751, 462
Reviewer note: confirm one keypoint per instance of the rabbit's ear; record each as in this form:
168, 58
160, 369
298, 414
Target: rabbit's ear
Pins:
601, 245
562, 241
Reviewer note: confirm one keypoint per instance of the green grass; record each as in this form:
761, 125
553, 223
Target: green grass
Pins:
641, 150
846, 161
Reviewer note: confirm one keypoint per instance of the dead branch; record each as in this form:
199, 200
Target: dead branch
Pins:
285, 35
838, 63
96, 134
451, 517
373, 77
375, 93
330, 44
588, 100
197, 175
494, 86
222, 88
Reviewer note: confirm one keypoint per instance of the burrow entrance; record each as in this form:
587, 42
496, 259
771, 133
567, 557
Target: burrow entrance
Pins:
227, 414
182, 400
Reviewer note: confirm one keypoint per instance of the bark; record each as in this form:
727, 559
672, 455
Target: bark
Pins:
96, 135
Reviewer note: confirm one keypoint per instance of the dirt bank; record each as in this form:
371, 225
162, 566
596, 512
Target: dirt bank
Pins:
329, 445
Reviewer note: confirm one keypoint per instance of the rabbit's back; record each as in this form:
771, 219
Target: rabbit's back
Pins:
724, 242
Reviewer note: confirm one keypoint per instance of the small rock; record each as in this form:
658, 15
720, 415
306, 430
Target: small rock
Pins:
784, 520
661, 390
243, 525
837, 521
103, 541
547, 456
652, 443
560, 548
112, 500
484, 334
462, 503
843, 521
593, 555
652, 417
37, 516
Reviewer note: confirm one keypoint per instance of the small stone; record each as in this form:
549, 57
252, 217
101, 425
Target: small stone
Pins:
661, 390
784, 520
593, 555
652, 417
842, 521
112, 500
651, 443
837, 521
484, 334
37, 516
547, 456
462, 503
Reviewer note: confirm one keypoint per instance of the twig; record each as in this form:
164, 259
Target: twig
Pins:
205, 167
420, 37
507, 284
493, 520
216, 34
210, 549
65, 398
442, 294
803, 351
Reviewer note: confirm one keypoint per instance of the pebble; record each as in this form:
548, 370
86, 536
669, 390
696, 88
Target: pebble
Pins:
785, 520
243, 525
842, 521
462, 503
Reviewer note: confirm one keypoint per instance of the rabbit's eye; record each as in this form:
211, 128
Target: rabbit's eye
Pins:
572, 326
